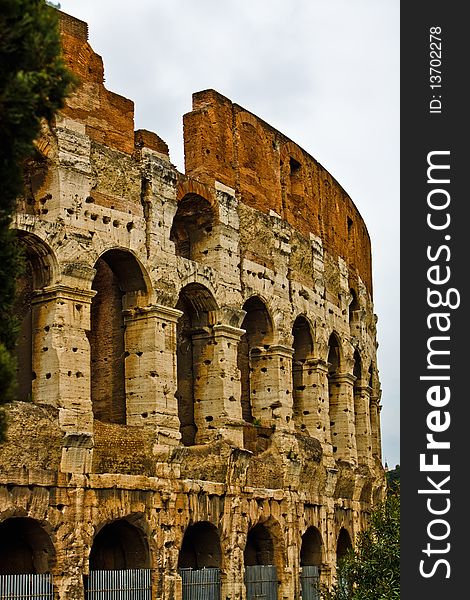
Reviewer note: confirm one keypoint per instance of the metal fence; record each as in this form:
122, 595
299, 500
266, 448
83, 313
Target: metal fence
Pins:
26, 587
309, 582
201, 584
261, 582
129, 584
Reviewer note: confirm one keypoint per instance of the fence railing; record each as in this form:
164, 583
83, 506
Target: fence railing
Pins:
200, 584
309, 582
26, 587
128, 584
261, 582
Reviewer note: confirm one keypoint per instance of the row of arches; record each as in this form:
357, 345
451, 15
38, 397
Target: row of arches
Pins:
26, 548
262, 371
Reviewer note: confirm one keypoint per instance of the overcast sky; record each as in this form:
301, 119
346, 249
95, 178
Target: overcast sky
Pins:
323, 72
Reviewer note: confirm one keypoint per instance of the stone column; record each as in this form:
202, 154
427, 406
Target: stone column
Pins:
315, 401
271, 386
363, 424
150, 370
375, 426
217, 406
343, 434
312, 412
61, 368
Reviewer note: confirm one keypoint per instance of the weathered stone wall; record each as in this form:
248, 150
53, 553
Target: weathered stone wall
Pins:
203, 350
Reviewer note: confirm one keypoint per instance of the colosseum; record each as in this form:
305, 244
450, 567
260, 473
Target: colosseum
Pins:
198, 410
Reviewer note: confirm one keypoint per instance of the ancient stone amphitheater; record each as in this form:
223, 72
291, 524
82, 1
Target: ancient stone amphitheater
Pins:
198, 405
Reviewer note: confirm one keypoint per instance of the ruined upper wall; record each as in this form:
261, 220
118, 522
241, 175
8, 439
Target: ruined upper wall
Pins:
225, 142
108, 117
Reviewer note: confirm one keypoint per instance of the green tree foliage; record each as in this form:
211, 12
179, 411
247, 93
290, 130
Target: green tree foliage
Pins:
372, 570
33, 85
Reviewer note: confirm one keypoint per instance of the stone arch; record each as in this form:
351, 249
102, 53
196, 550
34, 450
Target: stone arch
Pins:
119, 545
335, 354
200, 547
258, 327
119, 283
265, 544
354, 305
40, 271
41, 256
343, 544
194, 220
264, 559
303, 350
25, 547
197, 304
311, 549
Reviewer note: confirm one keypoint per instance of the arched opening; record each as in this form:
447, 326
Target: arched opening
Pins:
119, 563
334, 361
310, 562
199, 562
311, 548
37, 273
259, 549
258, 334
192, 227
260, 564
118, 283
117, 546
303, 349
23, 312
343, 545
201, 547
193, 340
354, 305
296, 179
25, 548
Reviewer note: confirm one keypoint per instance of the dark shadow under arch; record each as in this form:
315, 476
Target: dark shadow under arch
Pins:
311, 548
258, 327
25, 547
196, 303
201, 547
119, 279
119, 545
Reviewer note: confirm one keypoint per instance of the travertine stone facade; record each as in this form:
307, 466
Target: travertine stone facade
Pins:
198, 379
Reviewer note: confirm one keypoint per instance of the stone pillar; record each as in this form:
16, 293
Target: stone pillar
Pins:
315, 402
312, 399
343, 434
363, 424
150, 370
375, 426
217, 408
61, 368
271, 386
